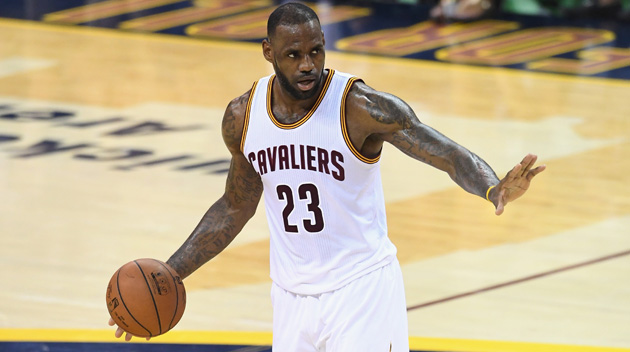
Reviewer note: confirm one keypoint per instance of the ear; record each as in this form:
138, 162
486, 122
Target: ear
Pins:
267, 50
323, 39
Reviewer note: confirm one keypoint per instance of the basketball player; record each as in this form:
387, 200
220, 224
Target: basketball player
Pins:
311, 138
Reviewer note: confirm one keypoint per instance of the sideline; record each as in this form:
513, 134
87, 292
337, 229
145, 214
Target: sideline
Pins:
265, 338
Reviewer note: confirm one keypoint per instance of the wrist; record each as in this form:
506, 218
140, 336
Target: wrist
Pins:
490, 194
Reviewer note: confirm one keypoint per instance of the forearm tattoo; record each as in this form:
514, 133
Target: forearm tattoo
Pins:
225, 218
213, 233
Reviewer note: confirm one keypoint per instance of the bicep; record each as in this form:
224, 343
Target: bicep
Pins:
397, 123
243, 188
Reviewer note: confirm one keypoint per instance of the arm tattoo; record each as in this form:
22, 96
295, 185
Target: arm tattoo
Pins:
473, 174
227, 217
222, 222
425, 144
231, 125
213, 233
386, 110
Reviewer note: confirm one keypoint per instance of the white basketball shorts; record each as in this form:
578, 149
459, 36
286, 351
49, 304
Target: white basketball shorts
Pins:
369, 314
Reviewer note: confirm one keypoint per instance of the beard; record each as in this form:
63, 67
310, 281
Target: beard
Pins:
292, 90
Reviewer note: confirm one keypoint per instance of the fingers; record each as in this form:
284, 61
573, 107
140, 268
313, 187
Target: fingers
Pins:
517, 181
527, 163
128, 337
526, 170
514, 173
535, 172
119, 331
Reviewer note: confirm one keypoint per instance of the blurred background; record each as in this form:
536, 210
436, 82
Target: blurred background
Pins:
110, 150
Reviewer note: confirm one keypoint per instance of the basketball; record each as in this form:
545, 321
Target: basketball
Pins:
146, 297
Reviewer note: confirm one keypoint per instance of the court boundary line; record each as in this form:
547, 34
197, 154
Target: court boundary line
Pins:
181, 39
521, 280
265, 339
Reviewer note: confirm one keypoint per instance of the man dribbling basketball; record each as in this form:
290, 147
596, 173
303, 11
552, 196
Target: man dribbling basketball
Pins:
311, 138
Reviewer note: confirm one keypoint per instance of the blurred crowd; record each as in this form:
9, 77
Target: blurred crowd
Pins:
467, 10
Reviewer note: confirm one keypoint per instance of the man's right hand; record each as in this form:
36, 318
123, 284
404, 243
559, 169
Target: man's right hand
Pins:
119, 331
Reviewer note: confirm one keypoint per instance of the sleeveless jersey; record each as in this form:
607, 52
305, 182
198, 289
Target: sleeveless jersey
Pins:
323, 199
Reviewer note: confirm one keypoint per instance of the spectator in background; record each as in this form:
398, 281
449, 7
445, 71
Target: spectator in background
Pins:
463, 10
469, 10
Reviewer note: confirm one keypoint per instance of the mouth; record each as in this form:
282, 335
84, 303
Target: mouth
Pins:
306, 84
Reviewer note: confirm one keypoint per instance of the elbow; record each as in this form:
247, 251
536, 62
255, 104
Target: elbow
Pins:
244, 211
249, 212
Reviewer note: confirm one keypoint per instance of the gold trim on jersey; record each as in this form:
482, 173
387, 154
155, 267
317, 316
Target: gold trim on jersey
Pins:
246, 120
301, 121
344, 127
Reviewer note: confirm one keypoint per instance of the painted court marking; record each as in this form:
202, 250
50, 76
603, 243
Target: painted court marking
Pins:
17, 64
521, 280
258, 340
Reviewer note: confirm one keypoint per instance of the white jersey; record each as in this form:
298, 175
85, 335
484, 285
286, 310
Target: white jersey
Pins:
323, 199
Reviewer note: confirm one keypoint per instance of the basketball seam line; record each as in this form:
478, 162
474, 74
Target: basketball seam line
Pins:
170, 325
152, 298
127, 309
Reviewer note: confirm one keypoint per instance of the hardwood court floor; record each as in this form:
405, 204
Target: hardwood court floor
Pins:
110, 150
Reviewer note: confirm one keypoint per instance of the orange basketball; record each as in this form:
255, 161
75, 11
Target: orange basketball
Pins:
146, 297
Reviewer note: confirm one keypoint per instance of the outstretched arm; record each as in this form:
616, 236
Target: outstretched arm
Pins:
384, 117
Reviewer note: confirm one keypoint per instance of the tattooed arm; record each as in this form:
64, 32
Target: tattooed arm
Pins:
376, 117
227, 216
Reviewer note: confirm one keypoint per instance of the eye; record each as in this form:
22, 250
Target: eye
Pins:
315, 51
291, 55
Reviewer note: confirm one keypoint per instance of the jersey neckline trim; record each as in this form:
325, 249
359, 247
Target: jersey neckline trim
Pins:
344, 127
301, 121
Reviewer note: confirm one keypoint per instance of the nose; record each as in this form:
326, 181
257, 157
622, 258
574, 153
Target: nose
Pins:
306, 64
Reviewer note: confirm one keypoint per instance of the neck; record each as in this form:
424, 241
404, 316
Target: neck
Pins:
288, 109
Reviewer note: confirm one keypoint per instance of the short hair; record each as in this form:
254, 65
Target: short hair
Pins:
288, 14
